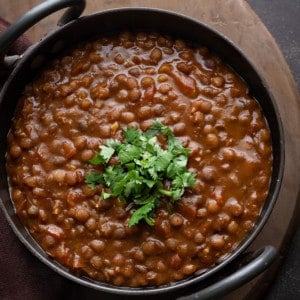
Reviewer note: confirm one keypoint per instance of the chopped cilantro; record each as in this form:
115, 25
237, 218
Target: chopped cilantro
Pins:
143, 167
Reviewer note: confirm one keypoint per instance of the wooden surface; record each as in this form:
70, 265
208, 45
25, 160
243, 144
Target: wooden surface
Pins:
235, 19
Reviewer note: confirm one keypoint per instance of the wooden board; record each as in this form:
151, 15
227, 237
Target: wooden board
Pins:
235, 19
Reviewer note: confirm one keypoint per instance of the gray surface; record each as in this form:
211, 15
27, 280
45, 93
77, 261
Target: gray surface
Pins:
282, 18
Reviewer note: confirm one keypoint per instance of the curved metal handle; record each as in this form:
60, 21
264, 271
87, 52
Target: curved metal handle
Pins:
263, 258
33, 16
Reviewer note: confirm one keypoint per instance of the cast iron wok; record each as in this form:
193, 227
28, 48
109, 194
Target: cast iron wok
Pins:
224, 276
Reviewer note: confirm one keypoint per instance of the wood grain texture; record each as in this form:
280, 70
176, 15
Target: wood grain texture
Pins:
235, 19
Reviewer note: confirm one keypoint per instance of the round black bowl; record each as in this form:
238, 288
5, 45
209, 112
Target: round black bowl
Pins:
208, 284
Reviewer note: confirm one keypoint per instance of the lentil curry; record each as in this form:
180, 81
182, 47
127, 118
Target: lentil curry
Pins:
91, 94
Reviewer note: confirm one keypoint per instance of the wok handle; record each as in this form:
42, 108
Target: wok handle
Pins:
261, 260
33, 16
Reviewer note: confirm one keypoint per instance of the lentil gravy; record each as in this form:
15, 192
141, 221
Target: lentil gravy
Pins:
87, 96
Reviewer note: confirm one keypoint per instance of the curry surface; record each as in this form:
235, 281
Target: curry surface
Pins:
86, 97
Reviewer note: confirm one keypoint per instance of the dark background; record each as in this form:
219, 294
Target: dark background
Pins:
282, 18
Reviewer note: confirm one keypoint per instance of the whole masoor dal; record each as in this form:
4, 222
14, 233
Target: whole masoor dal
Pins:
89, 95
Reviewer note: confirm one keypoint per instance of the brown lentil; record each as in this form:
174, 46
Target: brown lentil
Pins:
88, 95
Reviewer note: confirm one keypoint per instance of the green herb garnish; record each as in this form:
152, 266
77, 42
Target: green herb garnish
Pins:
143, 169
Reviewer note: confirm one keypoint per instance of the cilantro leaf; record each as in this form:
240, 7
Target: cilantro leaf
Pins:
163, 160
113, 143
97, 159
103, 156
113, 174
106, 152
128, 153
143, 213
93, 179
131, 134
105, 195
